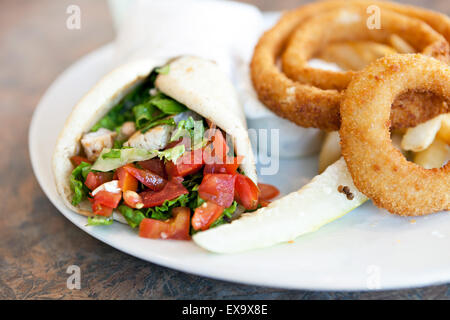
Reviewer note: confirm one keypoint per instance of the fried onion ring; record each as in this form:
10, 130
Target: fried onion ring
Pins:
378, 169
350, 24
308, 106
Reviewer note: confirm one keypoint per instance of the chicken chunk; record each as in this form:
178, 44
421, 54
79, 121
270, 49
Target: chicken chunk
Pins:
126, 131
94, 142
156, 138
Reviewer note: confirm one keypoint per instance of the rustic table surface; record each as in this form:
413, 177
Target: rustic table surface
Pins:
38, 243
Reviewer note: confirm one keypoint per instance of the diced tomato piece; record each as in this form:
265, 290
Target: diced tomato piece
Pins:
267, 192
77, 160
247, 193
230, 166
101, 210
264, 203
218, 188
219, 145
127, 182
133, 200
188, 163
172, 190
95, 179
176, 228
146, 177
154, 165
108, 199
205, 215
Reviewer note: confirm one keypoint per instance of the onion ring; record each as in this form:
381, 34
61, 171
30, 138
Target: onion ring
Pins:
308, 106
378, 169
349, 24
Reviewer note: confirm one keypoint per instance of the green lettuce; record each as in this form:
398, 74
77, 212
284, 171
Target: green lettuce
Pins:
226, 215
133, 217
189, 128
99, 221
77, 178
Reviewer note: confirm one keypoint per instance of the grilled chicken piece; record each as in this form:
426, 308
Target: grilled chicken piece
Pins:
156, 138
94, 142
126, 131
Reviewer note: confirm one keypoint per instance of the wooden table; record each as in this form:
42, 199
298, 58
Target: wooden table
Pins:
37, 242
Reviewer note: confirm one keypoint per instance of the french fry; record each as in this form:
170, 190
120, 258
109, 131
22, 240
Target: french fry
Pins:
399, 44
435, 156
444, 131
420, 137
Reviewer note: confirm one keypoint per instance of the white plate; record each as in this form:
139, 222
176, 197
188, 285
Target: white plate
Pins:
368, 248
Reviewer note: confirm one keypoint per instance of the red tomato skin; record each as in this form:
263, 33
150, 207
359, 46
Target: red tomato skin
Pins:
101, 210
176, 228
127, 182
181, 225
219, 145
154, 165
96, 179
205, 215
188, 163
107, 199
218, 188
77, 160
172, 190
146, 177
229, 166
267, 191
246, 192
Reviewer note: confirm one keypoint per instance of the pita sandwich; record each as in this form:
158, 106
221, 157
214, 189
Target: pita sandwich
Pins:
133, 123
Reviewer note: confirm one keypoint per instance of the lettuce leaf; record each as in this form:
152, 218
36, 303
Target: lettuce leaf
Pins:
111, 159
172, 154
189, 128
226, 216
133, 217
77, 178
122, 112
116, 158
99, 221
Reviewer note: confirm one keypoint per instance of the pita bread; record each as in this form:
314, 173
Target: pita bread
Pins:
195, 82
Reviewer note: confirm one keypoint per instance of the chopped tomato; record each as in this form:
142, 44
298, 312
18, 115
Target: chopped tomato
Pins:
172, 190
205, 215
230, 166
176, 228
96, 179
218, 188
247, 193
132, 199
264, 203
101, 210
219, 145
108, 199
188, 163
126, 180
268, 192
154, 165
77, 160
146, 177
